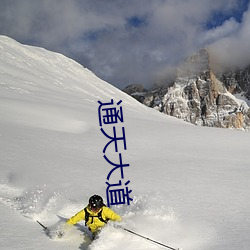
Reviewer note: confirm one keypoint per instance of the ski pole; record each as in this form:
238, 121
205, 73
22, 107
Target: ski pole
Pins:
159, 243
45, 228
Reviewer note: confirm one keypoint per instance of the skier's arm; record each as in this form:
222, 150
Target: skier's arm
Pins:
77, 217
110, 214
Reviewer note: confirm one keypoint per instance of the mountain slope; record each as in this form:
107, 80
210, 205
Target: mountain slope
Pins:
190, 184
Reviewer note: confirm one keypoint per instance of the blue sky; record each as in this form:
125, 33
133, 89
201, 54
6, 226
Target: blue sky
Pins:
131, 41
218, 17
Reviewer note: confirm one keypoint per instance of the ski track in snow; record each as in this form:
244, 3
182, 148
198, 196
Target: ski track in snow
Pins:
147, 216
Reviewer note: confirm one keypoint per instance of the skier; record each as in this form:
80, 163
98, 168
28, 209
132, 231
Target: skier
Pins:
95, 214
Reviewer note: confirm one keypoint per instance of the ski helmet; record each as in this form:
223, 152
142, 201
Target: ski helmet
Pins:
95, 202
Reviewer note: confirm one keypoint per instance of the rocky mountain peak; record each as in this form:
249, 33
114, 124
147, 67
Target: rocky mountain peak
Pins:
200, 96
196, 64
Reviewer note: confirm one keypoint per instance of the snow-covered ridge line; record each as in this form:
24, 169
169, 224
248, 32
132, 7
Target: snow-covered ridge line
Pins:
66, 74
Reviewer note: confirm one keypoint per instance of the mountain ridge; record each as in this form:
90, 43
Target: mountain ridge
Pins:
201, 95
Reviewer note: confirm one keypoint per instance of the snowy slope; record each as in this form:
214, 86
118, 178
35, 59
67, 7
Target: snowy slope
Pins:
190, 184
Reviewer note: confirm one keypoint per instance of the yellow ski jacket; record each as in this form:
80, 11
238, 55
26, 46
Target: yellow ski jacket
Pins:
94, 223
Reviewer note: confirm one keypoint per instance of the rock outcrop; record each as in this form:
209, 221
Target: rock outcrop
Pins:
199, 96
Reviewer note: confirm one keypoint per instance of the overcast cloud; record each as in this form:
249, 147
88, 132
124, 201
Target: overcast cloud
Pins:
131, 41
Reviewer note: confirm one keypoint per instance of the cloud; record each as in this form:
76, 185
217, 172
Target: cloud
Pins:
125, 42
228, 28
233, 49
